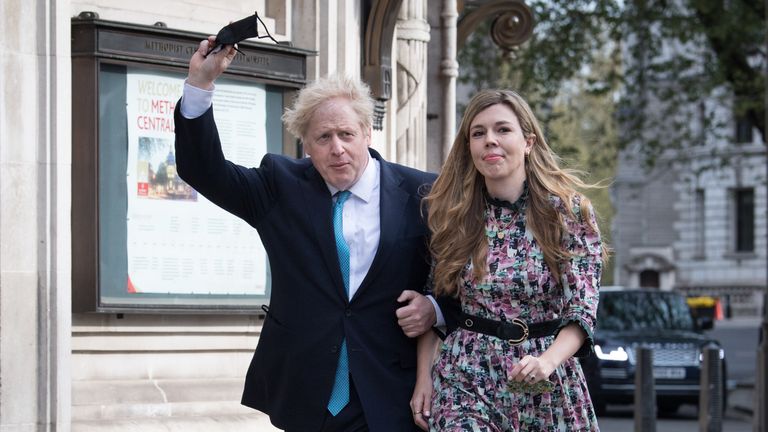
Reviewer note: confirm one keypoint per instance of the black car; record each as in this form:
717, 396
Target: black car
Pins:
660, 320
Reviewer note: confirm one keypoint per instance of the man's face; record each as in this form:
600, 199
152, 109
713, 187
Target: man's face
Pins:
337, 144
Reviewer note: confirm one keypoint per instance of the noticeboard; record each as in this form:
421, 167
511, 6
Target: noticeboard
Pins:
143, 240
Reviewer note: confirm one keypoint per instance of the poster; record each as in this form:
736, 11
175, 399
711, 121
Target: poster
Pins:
179, 242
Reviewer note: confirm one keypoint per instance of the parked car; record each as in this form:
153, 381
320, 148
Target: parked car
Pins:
660, 320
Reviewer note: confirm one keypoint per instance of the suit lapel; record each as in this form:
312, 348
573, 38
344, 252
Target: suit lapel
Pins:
393, 200
320, 213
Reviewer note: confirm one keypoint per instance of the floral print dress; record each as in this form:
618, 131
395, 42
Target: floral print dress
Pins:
470, 372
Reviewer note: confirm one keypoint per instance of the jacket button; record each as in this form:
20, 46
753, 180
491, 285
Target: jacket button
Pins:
348, 312
334, 349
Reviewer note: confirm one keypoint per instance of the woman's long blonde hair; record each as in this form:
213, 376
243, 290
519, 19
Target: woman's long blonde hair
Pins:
456, 202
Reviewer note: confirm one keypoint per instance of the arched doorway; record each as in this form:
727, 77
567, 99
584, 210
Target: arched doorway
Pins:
651, 268
649, 279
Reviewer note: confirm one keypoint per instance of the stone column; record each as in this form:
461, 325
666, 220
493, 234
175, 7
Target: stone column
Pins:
411, 69
436, 90
449, 71
339, 37
35, 155
305, 16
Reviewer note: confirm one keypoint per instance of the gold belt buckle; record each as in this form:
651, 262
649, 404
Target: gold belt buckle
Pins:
524, 326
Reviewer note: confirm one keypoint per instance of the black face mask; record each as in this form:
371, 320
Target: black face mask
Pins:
239, 31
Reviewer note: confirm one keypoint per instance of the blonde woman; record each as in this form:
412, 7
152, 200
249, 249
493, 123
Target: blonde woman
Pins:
519, 249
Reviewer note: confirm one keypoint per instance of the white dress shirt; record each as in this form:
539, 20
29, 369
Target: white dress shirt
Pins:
195, 101
362, 223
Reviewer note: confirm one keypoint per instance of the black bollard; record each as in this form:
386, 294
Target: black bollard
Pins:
711, 391
760, 416
645, 391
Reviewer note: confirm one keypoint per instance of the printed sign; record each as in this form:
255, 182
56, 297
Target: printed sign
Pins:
178, 241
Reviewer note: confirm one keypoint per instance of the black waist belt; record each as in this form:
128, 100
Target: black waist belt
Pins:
515, 331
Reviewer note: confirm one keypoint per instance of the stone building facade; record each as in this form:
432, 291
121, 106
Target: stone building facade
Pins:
697, 222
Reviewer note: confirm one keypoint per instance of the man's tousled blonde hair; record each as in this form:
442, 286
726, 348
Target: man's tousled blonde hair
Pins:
309, 99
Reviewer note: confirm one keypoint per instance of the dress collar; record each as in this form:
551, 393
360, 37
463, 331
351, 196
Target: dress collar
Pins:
514, 206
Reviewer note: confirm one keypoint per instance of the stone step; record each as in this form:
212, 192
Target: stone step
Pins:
131, 399
130, 410
95, 392
164, 405
252, 422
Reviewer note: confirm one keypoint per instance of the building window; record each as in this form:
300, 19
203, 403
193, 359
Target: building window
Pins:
744, 206
743, 130
699, 224
702, 138
649, 279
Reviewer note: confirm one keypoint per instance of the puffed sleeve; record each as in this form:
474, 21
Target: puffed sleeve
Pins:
449, 306
580, 275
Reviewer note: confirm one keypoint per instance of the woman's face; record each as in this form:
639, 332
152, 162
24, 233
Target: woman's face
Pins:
498, 147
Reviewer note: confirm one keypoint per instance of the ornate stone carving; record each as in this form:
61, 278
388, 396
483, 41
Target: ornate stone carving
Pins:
512, 26
377, 51
510, 29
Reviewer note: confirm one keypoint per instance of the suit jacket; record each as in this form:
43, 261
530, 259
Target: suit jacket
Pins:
286, 200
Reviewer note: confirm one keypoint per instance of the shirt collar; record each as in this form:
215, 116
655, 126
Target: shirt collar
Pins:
367, 182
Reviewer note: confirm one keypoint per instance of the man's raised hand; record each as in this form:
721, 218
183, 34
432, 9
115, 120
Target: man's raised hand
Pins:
204, 69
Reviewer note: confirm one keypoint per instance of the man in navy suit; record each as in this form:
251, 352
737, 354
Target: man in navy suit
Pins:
332, 355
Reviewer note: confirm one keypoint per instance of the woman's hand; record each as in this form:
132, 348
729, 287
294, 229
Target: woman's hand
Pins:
531, 370
422, 401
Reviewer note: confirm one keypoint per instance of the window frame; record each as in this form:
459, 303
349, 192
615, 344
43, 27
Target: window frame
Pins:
98, 42
743, 130
743, 220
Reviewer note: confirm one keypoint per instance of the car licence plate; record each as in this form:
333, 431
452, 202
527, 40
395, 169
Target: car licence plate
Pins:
669, 373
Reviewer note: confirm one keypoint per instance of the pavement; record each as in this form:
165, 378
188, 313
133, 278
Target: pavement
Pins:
739, 322
741, 399
252, 422
741, 394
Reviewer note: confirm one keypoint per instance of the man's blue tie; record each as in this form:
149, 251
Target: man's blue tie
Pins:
340, 392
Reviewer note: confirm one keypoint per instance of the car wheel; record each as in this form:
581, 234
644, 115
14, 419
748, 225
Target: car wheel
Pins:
668, 408
600, 408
